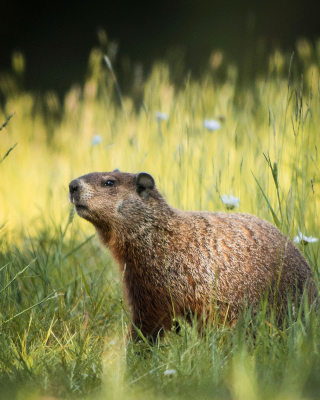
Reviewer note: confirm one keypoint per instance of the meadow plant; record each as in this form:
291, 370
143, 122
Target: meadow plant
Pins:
211, 124
63, 320
230, 202
11, 148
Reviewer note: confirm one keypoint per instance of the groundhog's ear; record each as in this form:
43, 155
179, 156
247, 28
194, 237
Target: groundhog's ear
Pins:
144, 181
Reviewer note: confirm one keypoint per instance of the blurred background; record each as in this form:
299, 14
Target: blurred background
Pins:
56, 37
171, 67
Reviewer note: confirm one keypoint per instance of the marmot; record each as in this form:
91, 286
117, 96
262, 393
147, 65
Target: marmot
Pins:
183, 263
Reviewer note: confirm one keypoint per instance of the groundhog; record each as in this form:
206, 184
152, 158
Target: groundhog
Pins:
182, 263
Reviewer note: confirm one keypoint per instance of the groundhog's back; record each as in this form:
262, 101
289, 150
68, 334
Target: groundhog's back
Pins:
243, 253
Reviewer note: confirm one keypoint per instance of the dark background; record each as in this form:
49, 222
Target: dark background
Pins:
57, 36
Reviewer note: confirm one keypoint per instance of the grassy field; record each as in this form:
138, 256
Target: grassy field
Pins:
63, 321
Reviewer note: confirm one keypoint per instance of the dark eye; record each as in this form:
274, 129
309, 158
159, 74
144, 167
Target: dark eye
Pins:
108, 183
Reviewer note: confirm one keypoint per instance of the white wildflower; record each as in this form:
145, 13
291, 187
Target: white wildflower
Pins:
230, 202
161, 116
97, 139
211, 124
304, 239
170, 372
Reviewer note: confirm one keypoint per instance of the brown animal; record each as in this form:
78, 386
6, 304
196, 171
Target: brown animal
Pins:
182, 263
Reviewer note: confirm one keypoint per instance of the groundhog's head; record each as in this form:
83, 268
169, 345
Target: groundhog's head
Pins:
108, 198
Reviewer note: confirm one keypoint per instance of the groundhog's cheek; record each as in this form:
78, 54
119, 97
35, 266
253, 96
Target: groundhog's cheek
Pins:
101, 208
125, 208
120, 206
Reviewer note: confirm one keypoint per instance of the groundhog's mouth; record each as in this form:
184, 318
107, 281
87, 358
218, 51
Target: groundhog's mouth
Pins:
80, 207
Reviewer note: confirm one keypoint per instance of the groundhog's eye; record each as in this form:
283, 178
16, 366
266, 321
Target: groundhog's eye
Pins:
108, 183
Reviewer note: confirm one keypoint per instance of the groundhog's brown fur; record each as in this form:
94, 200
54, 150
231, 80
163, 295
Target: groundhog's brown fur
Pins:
181, 263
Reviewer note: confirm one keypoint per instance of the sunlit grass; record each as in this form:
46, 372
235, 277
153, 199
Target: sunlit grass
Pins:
189, 163
72, 340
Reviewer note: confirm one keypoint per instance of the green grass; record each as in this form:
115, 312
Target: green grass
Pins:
63, 320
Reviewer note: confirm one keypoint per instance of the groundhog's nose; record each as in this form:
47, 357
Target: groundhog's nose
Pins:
74, 186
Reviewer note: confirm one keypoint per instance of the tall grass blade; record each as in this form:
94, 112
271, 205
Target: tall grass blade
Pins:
78, 247
49, 297
6, 121
16, 276
274, 216
7, 153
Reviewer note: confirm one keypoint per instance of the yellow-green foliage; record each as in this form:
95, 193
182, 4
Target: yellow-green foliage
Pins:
191, 165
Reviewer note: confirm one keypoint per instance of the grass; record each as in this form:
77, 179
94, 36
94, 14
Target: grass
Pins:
63, 321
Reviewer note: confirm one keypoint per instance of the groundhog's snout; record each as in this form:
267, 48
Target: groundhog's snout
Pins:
73, 186
74, 191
